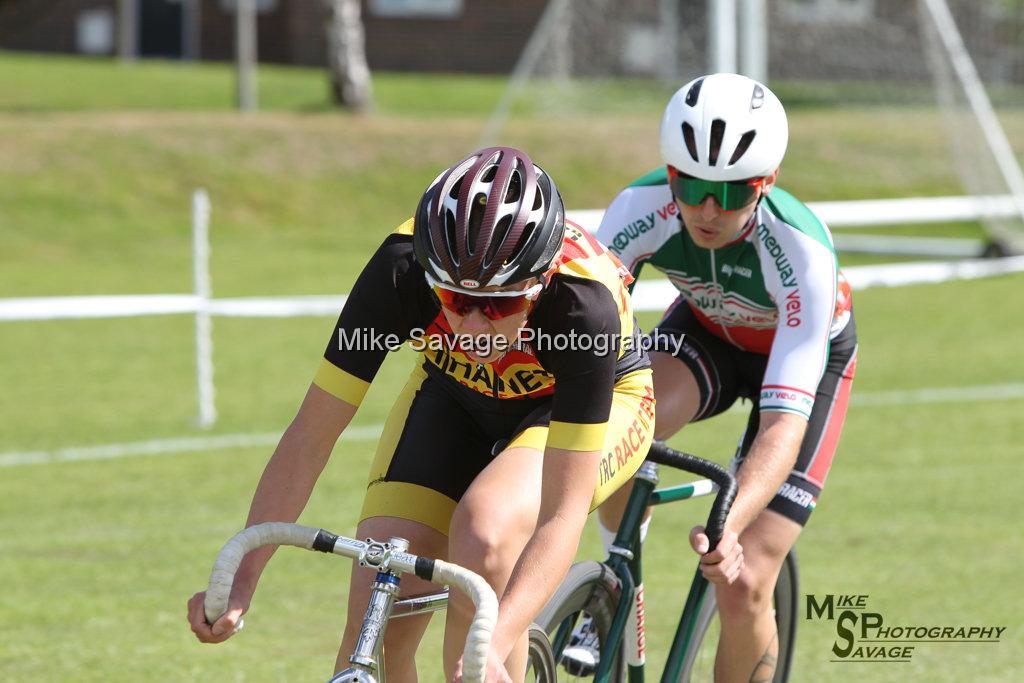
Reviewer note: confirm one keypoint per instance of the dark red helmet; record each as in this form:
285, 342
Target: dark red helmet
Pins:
494, 218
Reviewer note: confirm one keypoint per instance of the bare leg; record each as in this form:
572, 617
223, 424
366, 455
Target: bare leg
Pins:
489, 530
748, 645
403, 635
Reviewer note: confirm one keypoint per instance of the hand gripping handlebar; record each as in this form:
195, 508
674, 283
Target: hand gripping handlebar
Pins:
369, 553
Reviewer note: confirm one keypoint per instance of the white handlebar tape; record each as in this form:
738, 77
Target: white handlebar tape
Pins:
230, 556
478, 641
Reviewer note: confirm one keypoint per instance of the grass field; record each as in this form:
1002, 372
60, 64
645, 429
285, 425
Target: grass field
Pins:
97, 557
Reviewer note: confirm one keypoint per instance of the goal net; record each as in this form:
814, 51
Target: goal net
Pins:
914, 98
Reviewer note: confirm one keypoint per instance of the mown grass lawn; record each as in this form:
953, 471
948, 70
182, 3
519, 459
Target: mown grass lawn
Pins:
97, 558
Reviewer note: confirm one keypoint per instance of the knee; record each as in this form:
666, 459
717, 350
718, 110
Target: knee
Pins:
747, 597
485, 542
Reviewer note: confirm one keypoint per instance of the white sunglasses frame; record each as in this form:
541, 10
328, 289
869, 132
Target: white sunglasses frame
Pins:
531, 293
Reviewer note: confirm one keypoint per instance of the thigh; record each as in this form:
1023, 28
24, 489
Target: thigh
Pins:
720, 371
628, 437
430, 451
768, 540
679, 396
498, 513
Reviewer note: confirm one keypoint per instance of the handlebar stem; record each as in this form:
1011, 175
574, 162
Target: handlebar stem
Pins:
371, 634
648, 472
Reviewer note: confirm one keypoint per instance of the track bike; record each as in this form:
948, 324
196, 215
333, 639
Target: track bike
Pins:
610, 593
391, 560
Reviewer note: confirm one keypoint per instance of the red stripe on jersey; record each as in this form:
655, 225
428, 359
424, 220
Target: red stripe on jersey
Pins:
787, 388
822, 460
747, 339
571, 251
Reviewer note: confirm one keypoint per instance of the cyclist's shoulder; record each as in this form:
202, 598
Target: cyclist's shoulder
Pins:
571, 298
641, 218
783, 213
394, 275
396, 249
587, 278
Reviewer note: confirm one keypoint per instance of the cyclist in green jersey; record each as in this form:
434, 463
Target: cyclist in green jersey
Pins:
763, 314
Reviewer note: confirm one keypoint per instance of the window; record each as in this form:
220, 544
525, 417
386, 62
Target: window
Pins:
262, 6
827, 11
94, 31
434, 9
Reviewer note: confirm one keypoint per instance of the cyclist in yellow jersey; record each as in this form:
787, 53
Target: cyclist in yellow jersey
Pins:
530, 403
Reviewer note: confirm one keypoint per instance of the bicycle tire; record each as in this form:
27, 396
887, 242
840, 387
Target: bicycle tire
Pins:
786, 598
541, 664
592, 588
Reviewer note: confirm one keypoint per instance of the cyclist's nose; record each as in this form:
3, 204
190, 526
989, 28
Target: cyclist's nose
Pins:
709, 208
475, 322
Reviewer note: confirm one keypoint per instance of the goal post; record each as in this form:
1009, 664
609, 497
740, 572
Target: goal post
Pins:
925, 93
956, 58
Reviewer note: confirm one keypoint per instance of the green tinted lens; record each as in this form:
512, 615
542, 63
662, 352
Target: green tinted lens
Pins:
730, 195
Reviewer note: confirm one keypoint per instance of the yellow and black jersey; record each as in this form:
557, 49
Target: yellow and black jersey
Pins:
580, 337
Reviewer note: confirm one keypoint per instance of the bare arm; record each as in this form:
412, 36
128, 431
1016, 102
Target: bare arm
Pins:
293, 469
569, 480
281, 495
769, 462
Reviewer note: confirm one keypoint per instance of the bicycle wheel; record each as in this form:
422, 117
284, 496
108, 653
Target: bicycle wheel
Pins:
699, 662
541, 666
589, 589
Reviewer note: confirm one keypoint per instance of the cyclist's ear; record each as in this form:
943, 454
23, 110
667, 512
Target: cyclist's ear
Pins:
770, 180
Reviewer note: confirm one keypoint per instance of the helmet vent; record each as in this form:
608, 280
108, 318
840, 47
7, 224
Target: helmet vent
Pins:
449, 235
743, 145
497, 239
694, 93
717, 133
515, 188
489, 174
757, 98
538, 201
690, 140
525, 241
456, 186
476, 217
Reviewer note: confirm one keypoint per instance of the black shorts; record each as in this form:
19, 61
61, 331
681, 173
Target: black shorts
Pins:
725, 373
440, 435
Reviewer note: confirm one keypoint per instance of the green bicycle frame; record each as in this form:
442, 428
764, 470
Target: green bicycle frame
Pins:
624, 560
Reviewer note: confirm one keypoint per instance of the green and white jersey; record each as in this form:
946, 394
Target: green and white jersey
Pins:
774, 290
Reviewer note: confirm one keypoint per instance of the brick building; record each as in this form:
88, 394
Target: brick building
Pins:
810, 39
406, 35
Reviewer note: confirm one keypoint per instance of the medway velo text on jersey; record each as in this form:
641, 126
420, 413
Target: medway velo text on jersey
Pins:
775, 290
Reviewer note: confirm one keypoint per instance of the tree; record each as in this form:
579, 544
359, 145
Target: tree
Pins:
346, 56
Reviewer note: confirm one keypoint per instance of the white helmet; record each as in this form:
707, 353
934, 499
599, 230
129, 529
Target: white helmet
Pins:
724, 127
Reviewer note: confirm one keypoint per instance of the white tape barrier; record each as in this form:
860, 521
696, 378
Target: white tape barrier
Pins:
170, 446
72, 307
649, 295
